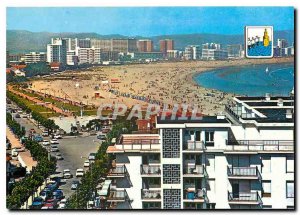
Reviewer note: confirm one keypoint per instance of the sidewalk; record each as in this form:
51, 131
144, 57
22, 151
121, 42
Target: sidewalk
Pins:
24, 157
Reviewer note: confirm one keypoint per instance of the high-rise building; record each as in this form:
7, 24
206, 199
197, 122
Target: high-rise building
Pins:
234, 51
165, 45
71, 44
72, 58
34, 57
83, 43
57, 51
241, 160
103, 44
124, 45
192, 52
282, 43
174, 54
145, 45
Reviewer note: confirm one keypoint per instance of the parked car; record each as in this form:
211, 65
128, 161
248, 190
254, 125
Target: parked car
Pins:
37, 203
18, 149
54, 141
46, 143
62, 204
54, 149
74, 185
45, 194
57, 136
58, 156
38, 138
79, 172
58, 194
101, 137
92, 156
86, 163
67, 173
45, 134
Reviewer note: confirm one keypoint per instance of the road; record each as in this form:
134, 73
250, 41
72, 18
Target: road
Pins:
74, 150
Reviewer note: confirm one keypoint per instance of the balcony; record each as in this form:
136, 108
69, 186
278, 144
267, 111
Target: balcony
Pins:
151, 195
117, 172
198, 195
150, 170
243, 173
117, 196
251, 198
136, 143
194, 171
256, 146
193, 146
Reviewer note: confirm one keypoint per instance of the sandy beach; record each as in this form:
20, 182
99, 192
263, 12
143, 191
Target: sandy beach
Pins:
166, 82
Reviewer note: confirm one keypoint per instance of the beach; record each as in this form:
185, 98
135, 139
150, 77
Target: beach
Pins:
163, 82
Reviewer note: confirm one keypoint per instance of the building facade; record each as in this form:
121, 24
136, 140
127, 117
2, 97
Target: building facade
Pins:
103, 44
165, 45
192, 52
145, 45
213, 51
241, 160
35, 57
235, 51
89, 55
124, 45
57, 51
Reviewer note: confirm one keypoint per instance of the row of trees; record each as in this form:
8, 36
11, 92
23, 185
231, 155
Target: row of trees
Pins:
98, 169
47, 123
24, 188
16, 128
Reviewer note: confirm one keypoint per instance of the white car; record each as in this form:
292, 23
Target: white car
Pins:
54, 149
57, 136
79, 172
54, 141
46, 143
86, 163
67, 173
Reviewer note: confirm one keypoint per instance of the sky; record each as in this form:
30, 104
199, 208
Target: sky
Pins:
148, 21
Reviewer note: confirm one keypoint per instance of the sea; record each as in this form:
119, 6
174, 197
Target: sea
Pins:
254, 80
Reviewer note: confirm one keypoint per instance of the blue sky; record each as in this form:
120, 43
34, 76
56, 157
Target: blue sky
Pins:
148, 21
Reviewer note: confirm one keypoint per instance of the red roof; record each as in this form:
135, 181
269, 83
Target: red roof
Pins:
22, 66
55, 64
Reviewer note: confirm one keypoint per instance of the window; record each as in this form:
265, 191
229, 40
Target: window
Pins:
209, 138
289, 164
266, 164
266, 185
289, 189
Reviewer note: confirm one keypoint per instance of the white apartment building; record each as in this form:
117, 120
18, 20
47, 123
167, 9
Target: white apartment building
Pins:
72, 58
57, 51
241, 160
235, 51
88, 55
213, 51
192, 52
34, 57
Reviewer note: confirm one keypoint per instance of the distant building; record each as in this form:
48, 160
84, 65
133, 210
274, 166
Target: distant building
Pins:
71, 44
145, 46
282, 43
124, 45
89, 55
109, 56
72, 58
235, 51
15, 58
35, 57
104, 45
83, 43
57, 51
213, 51
166, 45
174, 54
192, 52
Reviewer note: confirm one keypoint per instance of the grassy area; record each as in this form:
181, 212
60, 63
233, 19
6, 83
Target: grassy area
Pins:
45, 112
73, 108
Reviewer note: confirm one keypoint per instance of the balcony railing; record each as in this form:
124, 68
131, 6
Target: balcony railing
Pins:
243, 171
260, 145
194, 170
238, 113
118, 171
150, 194
194, 145
139, 144
117, 195
245, 197
151, 170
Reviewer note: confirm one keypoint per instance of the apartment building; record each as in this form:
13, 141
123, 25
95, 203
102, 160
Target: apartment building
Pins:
243, 159
145, 45
88, 55
213, 51
35, 57
103, 44
192, 52
235, 51
124, 45
165, 45
57, 51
